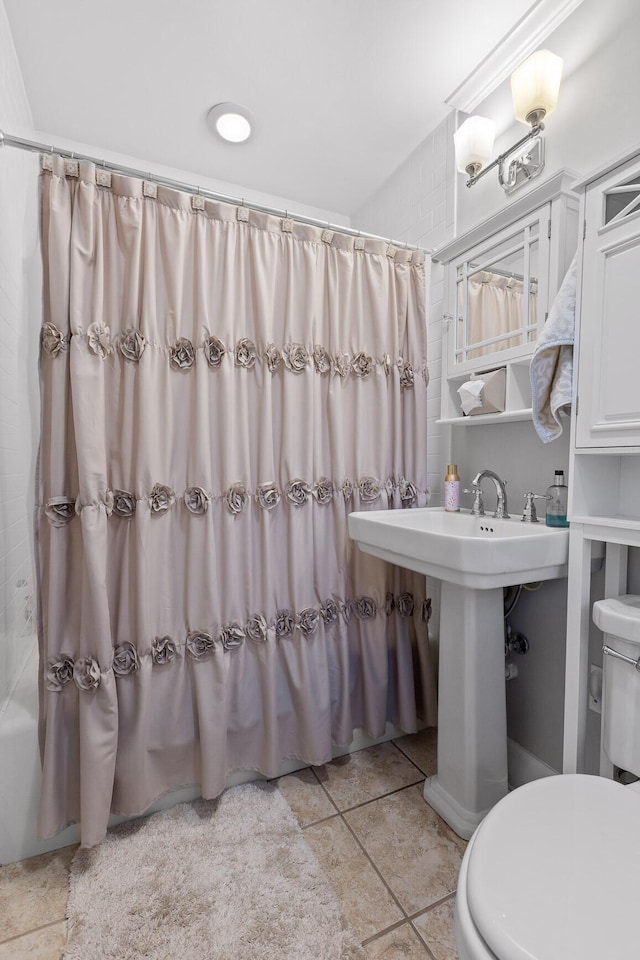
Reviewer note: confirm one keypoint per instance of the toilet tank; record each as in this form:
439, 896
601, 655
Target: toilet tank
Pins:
619, 620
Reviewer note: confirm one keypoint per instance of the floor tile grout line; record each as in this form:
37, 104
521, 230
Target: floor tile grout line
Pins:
432, 906
396, 926
377, 871
364, 803
411, 760
331, 800
382, 933
358, 806
26, 933
425, 945
423, 776
383, 796
408, 917
429, 909
428, 951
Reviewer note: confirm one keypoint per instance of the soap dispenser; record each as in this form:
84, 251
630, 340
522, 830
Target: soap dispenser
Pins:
557, 501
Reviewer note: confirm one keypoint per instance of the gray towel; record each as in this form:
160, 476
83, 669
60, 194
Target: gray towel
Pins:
552, 363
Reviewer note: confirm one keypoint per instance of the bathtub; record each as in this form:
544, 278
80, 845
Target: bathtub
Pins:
20, 772
20, 776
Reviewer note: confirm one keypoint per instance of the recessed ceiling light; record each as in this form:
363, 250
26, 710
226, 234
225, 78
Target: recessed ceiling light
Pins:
231, 122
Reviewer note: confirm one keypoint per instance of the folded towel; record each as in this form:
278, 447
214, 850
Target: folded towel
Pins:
552, 363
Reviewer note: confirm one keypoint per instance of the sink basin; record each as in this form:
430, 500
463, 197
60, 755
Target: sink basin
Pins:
477, 552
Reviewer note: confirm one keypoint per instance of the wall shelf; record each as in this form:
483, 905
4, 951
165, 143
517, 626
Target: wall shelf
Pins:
509, 416
608, 451
614, 522
517, 400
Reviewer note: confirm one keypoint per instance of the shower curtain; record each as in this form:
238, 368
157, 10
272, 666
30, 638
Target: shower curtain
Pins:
497, 308
220, 388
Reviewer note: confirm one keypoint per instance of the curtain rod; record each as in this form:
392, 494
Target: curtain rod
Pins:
7, 140
502, 273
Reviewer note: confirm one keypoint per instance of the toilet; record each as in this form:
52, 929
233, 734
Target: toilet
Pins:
553, 870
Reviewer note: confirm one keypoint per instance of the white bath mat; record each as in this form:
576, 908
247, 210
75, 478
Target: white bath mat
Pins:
230, 879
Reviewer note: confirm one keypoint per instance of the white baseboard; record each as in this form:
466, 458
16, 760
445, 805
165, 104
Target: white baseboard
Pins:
524, 766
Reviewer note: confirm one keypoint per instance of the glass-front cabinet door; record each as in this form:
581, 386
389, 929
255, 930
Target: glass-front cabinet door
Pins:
500, 294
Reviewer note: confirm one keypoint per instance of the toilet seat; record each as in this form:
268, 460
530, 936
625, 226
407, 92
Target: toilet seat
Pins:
552, 872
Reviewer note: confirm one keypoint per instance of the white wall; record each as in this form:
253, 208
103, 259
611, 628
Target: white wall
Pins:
18, 236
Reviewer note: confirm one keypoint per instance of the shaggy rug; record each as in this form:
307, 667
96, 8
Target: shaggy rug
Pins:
227, 879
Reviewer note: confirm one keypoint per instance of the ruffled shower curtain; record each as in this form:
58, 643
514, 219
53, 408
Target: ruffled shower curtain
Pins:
220, 388
497, 308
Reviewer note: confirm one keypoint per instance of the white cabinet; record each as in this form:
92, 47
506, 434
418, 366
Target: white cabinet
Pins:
500, 279
604, 470
609, 346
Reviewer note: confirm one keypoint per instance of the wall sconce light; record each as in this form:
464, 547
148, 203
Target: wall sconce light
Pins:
534, 88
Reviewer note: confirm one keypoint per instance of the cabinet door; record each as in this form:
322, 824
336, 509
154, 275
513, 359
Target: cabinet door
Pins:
609, 365
499, 294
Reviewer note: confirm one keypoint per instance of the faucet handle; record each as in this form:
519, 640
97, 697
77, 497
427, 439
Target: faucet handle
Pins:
477, 510
529, 514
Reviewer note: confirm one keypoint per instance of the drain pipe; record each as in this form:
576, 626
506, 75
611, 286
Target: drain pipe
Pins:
513, 642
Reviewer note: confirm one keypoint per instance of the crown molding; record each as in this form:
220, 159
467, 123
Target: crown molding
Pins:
560, 184
525, 37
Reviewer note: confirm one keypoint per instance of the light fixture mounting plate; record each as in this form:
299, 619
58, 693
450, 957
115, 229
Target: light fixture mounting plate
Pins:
522, 165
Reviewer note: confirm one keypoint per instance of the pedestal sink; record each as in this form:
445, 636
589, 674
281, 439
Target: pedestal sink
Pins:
475, 557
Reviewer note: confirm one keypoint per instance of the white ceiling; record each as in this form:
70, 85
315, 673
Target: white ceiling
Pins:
342, 90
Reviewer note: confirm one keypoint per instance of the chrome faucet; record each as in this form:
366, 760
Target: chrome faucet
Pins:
501, 492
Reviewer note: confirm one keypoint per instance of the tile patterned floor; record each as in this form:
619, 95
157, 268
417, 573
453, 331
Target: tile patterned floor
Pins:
391, 860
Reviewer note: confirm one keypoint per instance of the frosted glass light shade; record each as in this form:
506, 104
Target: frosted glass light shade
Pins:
233, 127
535, 86
474, 144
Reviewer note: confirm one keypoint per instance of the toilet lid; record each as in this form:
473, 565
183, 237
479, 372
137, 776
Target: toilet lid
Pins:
555, 871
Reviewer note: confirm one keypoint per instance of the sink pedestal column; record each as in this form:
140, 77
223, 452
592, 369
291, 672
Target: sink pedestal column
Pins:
472, 722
